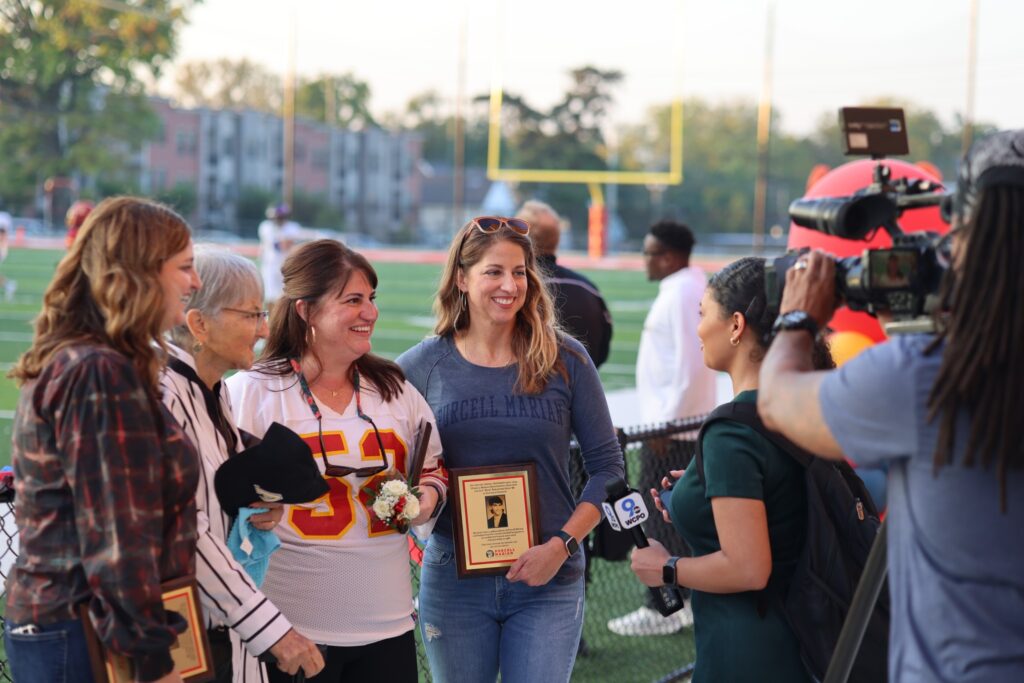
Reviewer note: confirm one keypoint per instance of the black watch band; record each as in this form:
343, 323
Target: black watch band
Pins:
668, 572
572, 546
795, 320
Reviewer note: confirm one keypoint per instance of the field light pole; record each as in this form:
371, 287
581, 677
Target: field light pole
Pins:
764, 127
972, 66
459, 132
288, 115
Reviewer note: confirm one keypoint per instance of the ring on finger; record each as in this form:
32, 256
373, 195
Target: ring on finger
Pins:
800, 265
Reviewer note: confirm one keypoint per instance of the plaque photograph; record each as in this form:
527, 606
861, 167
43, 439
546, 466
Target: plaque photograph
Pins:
494, 516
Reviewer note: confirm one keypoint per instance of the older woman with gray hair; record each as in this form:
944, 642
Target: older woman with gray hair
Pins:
223, 322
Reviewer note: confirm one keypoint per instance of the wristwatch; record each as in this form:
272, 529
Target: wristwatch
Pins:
668, 572
572, 546
795, 320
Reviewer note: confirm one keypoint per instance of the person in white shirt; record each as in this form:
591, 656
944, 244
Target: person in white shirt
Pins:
277, 237
223, 321
341, 575
672, 382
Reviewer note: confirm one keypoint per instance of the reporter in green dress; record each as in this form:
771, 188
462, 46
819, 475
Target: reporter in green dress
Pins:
746, 522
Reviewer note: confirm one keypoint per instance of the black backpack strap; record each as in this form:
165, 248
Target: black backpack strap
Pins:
746, 413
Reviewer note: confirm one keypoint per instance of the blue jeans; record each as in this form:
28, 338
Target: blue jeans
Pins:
56, 653
473, 628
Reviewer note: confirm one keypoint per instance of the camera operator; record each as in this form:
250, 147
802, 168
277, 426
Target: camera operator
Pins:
946, 413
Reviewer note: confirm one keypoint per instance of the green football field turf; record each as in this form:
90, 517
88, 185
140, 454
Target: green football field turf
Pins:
405, 294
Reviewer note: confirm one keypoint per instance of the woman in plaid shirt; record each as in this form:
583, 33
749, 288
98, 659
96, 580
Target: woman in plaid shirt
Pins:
105, 479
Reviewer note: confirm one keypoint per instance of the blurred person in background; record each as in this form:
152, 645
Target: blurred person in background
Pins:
105, 478
746, 521
278, 234
672, 382
579, 307
943, 411
75, 217
341, 575
7, 284
223, 322
508, 388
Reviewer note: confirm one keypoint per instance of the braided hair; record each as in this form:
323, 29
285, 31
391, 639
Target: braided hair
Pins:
740, 288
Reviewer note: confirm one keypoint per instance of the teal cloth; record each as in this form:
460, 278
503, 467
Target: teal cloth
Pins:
261, 545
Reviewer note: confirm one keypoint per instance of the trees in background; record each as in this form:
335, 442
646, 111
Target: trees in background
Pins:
338, 99
226, 84
719, 151
73, 103
72, 100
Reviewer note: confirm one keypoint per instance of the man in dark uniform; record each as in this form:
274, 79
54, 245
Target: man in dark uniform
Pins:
578, 304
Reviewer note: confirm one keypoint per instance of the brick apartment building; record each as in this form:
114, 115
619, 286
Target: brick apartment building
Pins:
369, 176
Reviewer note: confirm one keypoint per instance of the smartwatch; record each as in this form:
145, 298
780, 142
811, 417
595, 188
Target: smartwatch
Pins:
668, 572
572, 546
795, 320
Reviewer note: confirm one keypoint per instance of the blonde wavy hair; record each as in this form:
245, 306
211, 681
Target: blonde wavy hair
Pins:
107, 288
536, 339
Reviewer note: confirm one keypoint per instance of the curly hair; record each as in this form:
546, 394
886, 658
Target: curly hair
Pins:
107, 288
536, 338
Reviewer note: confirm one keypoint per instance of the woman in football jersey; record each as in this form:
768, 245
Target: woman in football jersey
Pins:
341, 575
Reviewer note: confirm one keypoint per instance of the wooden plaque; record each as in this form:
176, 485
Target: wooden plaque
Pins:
495, 517
191, 652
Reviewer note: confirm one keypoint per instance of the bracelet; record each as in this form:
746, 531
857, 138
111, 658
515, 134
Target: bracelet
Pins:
440, 499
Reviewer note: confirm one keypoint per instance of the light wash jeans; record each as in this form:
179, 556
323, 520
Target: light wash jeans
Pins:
473, 628
56, 653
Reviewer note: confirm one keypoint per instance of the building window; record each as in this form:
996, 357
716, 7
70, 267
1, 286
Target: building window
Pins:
186, 142
320, 158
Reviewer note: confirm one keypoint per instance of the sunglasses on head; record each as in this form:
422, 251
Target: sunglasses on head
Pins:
489, 225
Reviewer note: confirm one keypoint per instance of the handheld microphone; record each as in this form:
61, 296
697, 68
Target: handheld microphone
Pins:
625, 509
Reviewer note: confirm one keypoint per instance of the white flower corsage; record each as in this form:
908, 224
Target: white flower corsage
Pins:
394, 503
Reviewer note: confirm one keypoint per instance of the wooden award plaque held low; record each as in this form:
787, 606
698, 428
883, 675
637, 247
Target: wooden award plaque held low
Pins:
487, 543
191, 652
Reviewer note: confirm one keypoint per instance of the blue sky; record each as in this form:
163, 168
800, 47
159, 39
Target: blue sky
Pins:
827, 53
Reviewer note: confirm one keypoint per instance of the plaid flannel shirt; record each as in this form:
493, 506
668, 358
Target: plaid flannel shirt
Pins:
105, 505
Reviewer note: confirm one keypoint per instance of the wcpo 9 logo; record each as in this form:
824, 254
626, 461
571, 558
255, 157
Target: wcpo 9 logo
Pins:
631, 510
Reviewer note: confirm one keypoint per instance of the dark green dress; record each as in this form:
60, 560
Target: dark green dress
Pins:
734, 643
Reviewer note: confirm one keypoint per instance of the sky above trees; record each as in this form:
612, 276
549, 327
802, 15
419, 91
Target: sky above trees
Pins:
827, 54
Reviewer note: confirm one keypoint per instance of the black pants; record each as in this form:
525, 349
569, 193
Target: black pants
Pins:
655, 462
220, 650
388, 661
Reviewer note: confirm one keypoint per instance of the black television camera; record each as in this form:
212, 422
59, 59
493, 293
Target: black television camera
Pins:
901, 280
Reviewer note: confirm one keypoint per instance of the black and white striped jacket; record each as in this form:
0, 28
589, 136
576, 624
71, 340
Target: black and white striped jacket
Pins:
228, 595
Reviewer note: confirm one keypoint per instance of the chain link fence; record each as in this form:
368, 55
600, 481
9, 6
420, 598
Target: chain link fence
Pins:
612, 589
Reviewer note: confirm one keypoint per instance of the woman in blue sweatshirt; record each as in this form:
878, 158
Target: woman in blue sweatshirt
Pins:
507, 387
